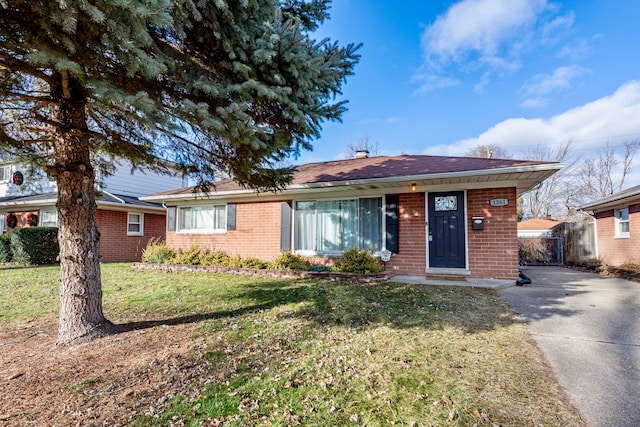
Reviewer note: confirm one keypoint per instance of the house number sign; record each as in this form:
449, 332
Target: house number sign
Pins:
499, 202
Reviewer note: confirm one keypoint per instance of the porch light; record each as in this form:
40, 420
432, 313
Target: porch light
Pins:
413, 186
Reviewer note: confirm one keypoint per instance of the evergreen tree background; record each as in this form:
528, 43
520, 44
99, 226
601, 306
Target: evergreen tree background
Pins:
210, 85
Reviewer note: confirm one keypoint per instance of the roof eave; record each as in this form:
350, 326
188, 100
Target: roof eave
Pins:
551, 168
101, 204
609, 204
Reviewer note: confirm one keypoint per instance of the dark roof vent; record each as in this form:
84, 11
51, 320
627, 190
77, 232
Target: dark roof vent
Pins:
362, 154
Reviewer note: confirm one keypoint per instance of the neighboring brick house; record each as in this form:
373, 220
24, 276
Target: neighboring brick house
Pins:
617, 219
437, 215
125, 223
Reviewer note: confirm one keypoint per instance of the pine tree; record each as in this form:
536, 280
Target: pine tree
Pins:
211, 85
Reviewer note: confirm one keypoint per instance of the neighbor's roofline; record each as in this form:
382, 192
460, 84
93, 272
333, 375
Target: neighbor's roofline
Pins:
392, 179
613, 199
100, 203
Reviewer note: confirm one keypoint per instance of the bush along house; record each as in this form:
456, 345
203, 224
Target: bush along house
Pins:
437, 216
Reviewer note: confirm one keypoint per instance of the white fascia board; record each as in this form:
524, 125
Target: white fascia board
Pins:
101, 205
113, 206
23, 204
300, 188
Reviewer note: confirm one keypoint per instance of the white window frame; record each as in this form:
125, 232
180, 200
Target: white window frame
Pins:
140, 223
618, 213
42, 215
221, 229
308, 252
6, 176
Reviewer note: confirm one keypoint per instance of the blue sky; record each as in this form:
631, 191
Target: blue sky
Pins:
439, 77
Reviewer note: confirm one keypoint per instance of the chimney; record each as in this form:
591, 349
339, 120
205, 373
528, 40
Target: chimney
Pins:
362, 154
548, 217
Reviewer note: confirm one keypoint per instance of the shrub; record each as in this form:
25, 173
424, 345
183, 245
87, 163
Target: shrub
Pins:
5, 247
356, 260
35, 245
157, 252
217, 258
289, 261
189, 257
249, 262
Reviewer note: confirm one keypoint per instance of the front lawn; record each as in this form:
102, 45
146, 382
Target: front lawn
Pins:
205, 349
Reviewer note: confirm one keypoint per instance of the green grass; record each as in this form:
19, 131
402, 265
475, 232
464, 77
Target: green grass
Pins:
316, 353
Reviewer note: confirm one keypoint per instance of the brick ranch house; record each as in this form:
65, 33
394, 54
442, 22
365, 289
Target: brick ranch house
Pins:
617, 223
125, 223
437, 215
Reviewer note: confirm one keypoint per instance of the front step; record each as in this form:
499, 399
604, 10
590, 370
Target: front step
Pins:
447, 277
449, 274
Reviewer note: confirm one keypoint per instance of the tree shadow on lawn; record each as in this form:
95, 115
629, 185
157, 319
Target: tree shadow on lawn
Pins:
364, 305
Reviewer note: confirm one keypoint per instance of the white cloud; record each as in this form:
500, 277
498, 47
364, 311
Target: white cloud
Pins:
576, 50
546, 84
431, 82
614, 119
551, 31
484, 81
488, 29
378, 120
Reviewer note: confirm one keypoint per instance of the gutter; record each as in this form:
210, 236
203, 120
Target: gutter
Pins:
115, 197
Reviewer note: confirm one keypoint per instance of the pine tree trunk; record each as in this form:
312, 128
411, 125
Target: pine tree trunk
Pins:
81, 316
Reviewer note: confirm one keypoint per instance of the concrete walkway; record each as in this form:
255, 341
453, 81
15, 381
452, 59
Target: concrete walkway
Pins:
470, 283
588, 326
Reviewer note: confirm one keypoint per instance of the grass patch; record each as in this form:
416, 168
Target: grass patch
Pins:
301, 352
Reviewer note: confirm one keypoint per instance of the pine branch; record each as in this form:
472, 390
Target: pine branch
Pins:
11, 63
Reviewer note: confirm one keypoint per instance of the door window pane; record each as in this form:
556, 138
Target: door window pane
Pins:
446, 203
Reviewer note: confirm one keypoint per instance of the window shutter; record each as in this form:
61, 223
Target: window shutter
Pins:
285, 226
231, 217
392, 223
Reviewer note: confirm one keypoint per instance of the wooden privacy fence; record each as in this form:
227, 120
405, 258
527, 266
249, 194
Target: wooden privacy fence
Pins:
578, 241
567, 242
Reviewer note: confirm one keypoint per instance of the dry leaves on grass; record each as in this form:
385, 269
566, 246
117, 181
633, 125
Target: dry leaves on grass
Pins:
105, 382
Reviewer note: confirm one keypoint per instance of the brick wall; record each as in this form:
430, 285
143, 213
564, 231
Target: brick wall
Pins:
411, 258
115, 245
257, 233
493, 252
616, 251
22, 219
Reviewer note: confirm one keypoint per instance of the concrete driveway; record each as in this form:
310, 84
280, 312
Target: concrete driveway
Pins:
588, 326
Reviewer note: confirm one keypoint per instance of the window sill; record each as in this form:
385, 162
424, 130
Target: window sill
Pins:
332, 254
201, 232
135, 234
622, 236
